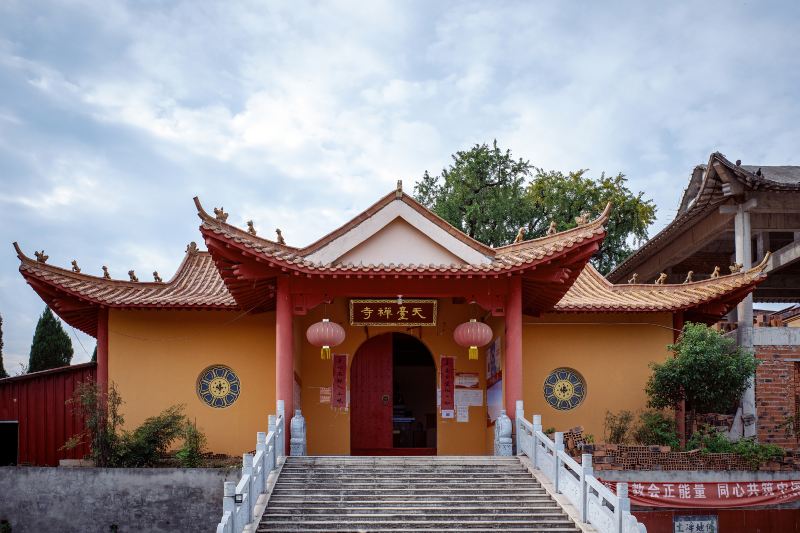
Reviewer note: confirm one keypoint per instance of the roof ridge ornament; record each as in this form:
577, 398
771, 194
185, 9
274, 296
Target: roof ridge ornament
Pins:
689, 277
520, 235
735, 268
281, 240
715, 273
40, 256
661, 279
106, 275
132, 275
582, 219
75, 267
250, 228
221, 215
399, 191
191, 248
552, 229
634, 279
156, 277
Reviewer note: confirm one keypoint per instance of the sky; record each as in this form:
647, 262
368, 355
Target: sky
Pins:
299, 115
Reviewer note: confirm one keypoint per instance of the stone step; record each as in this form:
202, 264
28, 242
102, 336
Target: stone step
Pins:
410, 528
451, 525
402, 518
293, 508
432, 483
394, 513
349, 474
409, 500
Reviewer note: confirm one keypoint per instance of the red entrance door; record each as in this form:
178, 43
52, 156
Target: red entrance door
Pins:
371, 402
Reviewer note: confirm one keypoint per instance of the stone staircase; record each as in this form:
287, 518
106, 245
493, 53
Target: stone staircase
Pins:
410, 494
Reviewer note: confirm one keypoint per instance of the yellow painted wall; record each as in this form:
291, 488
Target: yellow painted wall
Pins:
155, 358
329, 430
611, 351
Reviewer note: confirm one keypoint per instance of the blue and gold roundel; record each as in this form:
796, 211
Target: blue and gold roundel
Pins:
564, 389
218, 386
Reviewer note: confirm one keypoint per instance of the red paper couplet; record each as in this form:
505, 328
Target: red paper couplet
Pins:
448, 380
339, 385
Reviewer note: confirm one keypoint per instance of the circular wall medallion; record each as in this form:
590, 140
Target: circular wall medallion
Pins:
564, 389
218, 386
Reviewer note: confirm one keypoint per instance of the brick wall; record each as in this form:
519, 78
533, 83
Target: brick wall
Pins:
777, 389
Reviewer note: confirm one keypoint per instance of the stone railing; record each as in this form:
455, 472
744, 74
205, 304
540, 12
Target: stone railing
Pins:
597, 505
239, 499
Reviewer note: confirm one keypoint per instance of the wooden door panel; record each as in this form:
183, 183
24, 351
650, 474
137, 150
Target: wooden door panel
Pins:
371, 395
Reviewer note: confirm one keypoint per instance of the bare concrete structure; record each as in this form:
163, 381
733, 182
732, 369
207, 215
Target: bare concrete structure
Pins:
729, 215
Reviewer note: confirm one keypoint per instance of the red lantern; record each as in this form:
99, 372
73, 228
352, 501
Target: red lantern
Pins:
325, 334
473, 334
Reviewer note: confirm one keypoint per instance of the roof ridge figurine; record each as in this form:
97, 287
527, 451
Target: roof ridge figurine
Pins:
250, 228
132, 275
106, 275
40, 256
280, 236
735, 268
221, 215
75, 267
552, 229
715, 274
520, 235
689, 277
156, 277
634, 279
661, 279
191, 248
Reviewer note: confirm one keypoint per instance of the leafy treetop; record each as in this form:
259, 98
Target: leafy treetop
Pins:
489, 195
51, 347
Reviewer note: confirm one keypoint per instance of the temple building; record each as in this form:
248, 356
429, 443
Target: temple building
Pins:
369, 331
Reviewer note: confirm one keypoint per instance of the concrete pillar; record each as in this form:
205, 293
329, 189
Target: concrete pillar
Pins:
102, 350
744, 313
512, 367
284, 349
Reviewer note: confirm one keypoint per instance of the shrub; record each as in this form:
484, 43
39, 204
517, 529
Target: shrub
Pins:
655, 427
100, 411
709, 371
617, 427
147, 444
711, 440
194, 441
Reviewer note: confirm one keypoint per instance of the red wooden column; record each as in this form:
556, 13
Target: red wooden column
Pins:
512, 367
680, 411
102, 349
284, 351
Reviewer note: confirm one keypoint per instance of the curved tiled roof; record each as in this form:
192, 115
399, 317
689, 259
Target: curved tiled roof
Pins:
703, 194
592, 292
76, 297
502, 259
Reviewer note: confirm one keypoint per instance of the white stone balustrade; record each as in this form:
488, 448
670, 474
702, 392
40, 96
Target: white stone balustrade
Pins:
596, 504
239, 499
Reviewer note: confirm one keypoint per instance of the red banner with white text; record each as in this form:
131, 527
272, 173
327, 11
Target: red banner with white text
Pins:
716, 495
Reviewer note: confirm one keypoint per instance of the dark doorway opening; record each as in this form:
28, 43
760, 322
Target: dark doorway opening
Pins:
393, 397
414, 387
9, 443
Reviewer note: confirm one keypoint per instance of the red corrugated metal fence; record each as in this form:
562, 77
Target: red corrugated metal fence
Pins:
38, 402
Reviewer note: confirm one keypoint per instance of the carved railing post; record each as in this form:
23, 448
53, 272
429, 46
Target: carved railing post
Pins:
537, 426
519, 415
559, 442
229, 502
280, 435
298, 433
586, 470
502, 435
247, 473
623, 505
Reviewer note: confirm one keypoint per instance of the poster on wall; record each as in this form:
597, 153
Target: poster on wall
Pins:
494, 381
448, 381
339, 383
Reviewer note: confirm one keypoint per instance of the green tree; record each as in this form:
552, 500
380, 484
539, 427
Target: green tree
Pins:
3, 373
558, 197
51, 347
482, 193
709, 371
489, 195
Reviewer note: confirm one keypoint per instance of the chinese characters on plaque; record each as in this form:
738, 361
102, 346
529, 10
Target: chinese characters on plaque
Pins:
448, 386
339, 385
398, 312
695, 524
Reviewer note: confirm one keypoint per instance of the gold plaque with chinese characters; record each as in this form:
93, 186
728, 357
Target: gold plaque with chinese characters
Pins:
395, 312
